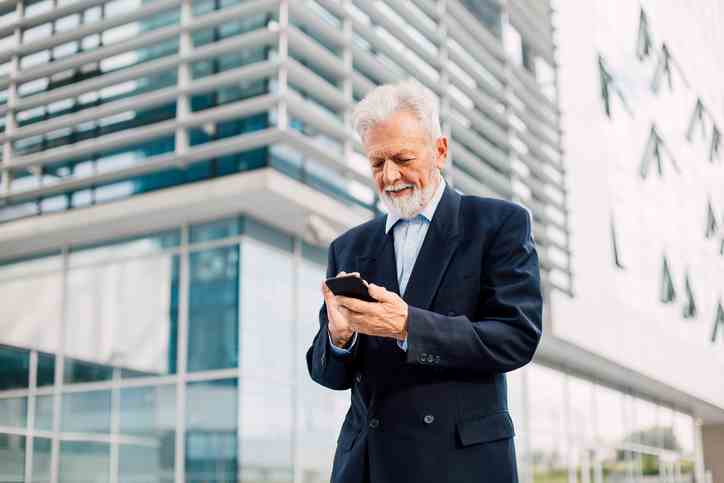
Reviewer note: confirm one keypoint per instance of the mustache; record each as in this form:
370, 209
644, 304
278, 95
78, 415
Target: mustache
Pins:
397, 188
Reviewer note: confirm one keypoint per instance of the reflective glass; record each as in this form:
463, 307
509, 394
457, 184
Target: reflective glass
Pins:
266, 323
238, 26
214, 309
143, 463
41, 460
76, 370
266, 436
124, 248
267, 235
609, 412
26, 323
580, 403
215, 230
86, 412
148, 413
46, 369
665, 435
320, 411
14, 368
211, 431
113, 124
487, 12
548, 458
315, 255
684, 437
516, 404
44, 413
547, 400
84, 462
12, 457
13, 412
684, 430
124, 315
646, 428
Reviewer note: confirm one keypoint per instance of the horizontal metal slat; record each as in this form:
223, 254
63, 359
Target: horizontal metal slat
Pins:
140, 134
157, 163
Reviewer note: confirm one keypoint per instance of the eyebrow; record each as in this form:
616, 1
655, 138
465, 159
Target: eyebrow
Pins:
393, 154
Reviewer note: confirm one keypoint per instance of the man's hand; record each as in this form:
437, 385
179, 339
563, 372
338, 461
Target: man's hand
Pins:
338, 325
385, 318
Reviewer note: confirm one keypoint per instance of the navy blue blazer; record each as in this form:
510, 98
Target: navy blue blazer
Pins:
438, 412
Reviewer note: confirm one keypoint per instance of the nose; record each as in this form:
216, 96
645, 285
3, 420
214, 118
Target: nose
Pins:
390, 172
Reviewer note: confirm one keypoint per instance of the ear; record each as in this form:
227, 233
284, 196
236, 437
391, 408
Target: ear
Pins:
441, 151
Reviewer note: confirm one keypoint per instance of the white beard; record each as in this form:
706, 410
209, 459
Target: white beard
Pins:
409, 206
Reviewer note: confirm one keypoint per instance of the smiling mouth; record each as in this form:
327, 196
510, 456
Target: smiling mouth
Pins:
398, 191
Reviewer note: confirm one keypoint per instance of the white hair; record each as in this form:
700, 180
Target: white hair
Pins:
406, 95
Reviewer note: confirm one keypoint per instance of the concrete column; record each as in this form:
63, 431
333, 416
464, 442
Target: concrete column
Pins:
712, 436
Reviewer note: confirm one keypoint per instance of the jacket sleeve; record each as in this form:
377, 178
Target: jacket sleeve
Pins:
510, 310
325, 366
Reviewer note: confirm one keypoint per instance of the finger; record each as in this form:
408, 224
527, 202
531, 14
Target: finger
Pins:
329, 297
379, 293
342, 274
353, 304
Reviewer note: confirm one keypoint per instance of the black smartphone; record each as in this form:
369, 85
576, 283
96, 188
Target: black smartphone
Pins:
349, 286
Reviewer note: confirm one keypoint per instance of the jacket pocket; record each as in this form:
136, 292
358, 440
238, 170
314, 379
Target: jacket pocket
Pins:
347, 437
485, 429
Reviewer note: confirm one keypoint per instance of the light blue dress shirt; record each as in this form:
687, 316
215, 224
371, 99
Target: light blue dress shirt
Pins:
408, 235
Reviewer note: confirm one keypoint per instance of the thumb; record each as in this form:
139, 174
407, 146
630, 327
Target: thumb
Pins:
379, 293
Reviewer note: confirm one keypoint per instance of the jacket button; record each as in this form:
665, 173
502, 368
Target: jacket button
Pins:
429, 418
374, 422
358, 378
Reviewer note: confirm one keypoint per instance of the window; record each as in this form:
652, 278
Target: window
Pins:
655, 151
614, 245
667, 292
712, 226
690, 309
718, 322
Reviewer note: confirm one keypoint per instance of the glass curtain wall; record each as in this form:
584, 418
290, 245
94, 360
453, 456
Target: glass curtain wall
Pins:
581, 431
176, 356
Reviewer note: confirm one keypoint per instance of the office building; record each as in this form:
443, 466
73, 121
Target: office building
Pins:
172, 172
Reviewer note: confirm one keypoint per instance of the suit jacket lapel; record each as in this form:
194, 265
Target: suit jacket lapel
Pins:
378, 265
436, 252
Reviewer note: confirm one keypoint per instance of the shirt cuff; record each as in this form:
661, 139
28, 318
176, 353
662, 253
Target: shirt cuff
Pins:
339, 350
402, 344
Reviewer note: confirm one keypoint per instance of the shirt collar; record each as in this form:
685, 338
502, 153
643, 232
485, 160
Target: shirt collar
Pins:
427, 212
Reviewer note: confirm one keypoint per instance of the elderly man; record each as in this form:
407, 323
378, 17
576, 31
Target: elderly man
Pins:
458, 303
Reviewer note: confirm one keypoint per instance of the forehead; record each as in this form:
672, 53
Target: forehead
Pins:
401, 131
382, 150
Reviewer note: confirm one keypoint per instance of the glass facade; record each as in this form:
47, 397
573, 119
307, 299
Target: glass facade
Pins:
180, 357
200, 375
576, 430
110, 100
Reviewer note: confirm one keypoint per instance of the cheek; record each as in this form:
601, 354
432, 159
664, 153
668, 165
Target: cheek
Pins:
414, 177
378, 180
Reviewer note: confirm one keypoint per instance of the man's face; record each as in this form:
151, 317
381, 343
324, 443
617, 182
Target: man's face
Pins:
404, 162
